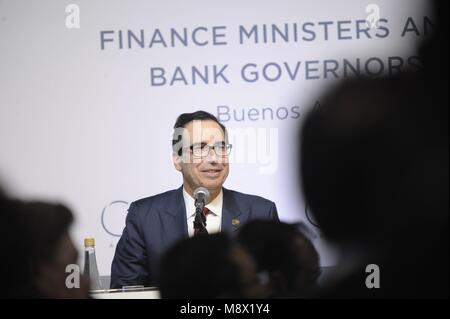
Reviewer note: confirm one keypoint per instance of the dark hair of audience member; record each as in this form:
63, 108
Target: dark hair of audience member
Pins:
374, 170
39, 249
283, 254
208, 266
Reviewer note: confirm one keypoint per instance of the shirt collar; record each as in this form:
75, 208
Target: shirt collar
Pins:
215, 206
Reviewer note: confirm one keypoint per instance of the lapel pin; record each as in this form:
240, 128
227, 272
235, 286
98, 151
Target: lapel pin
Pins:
235, 222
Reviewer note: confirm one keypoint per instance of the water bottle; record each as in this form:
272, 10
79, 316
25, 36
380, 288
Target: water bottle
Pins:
90, 264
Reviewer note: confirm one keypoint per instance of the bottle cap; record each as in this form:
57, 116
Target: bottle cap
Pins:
89, 242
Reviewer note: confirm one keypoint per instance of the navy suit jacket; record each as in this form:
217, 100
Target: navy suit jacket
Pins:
155, 223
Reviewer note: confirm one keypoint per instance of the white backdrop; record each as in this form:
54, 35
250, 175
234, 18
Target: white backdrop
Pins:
89, 126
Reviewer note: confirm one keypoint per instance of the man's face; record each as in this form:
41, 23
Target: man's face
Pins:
210, 170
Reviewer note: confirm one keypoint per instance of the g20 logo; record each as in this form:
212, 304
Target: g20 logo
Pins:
114, 216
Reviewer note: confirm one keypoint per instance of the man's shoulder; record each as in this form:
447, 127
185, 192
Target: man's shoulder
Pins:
247, 197
156, 199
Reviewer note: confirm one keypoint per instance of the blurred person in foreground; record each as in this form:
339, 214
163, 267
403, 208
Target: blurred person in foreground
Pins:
285, 257
374, 170
37, 250
209, 266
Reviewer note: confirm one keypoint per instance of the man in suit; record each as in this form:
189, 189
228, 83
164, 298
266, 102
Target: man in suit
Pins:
200, 153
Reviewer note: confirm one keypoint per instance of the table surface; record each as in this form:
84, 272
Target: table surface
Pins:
137, 293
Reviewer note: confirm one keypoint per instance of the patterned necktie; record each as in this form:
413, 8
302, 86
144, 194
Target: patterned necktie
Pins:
198, 226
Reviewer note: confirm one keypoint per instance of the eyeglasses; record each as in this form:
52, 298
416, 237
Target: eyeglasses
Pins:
203, 149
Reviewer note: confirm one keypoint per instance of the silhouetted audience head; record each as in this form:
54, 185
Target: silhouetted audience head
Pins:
374, 170
356, 149
10, 248
375, 174
208, 266
284, 255
39, 249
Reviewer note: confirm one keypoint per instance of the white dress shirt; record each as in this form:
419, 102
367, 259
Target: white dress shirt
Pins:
213, 219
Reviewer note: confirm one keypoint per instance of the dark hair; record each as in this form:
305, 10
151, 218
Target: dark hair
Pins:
184, 119
200, 267
271, 244
45, 224
32, 231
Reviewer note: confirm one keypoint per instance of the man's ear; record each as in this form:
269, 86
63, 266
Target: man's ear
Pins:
177, 160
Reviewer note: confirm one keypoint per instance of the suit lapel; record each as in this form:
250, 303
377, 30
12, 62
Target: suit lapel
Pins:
173, 219
232, 216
